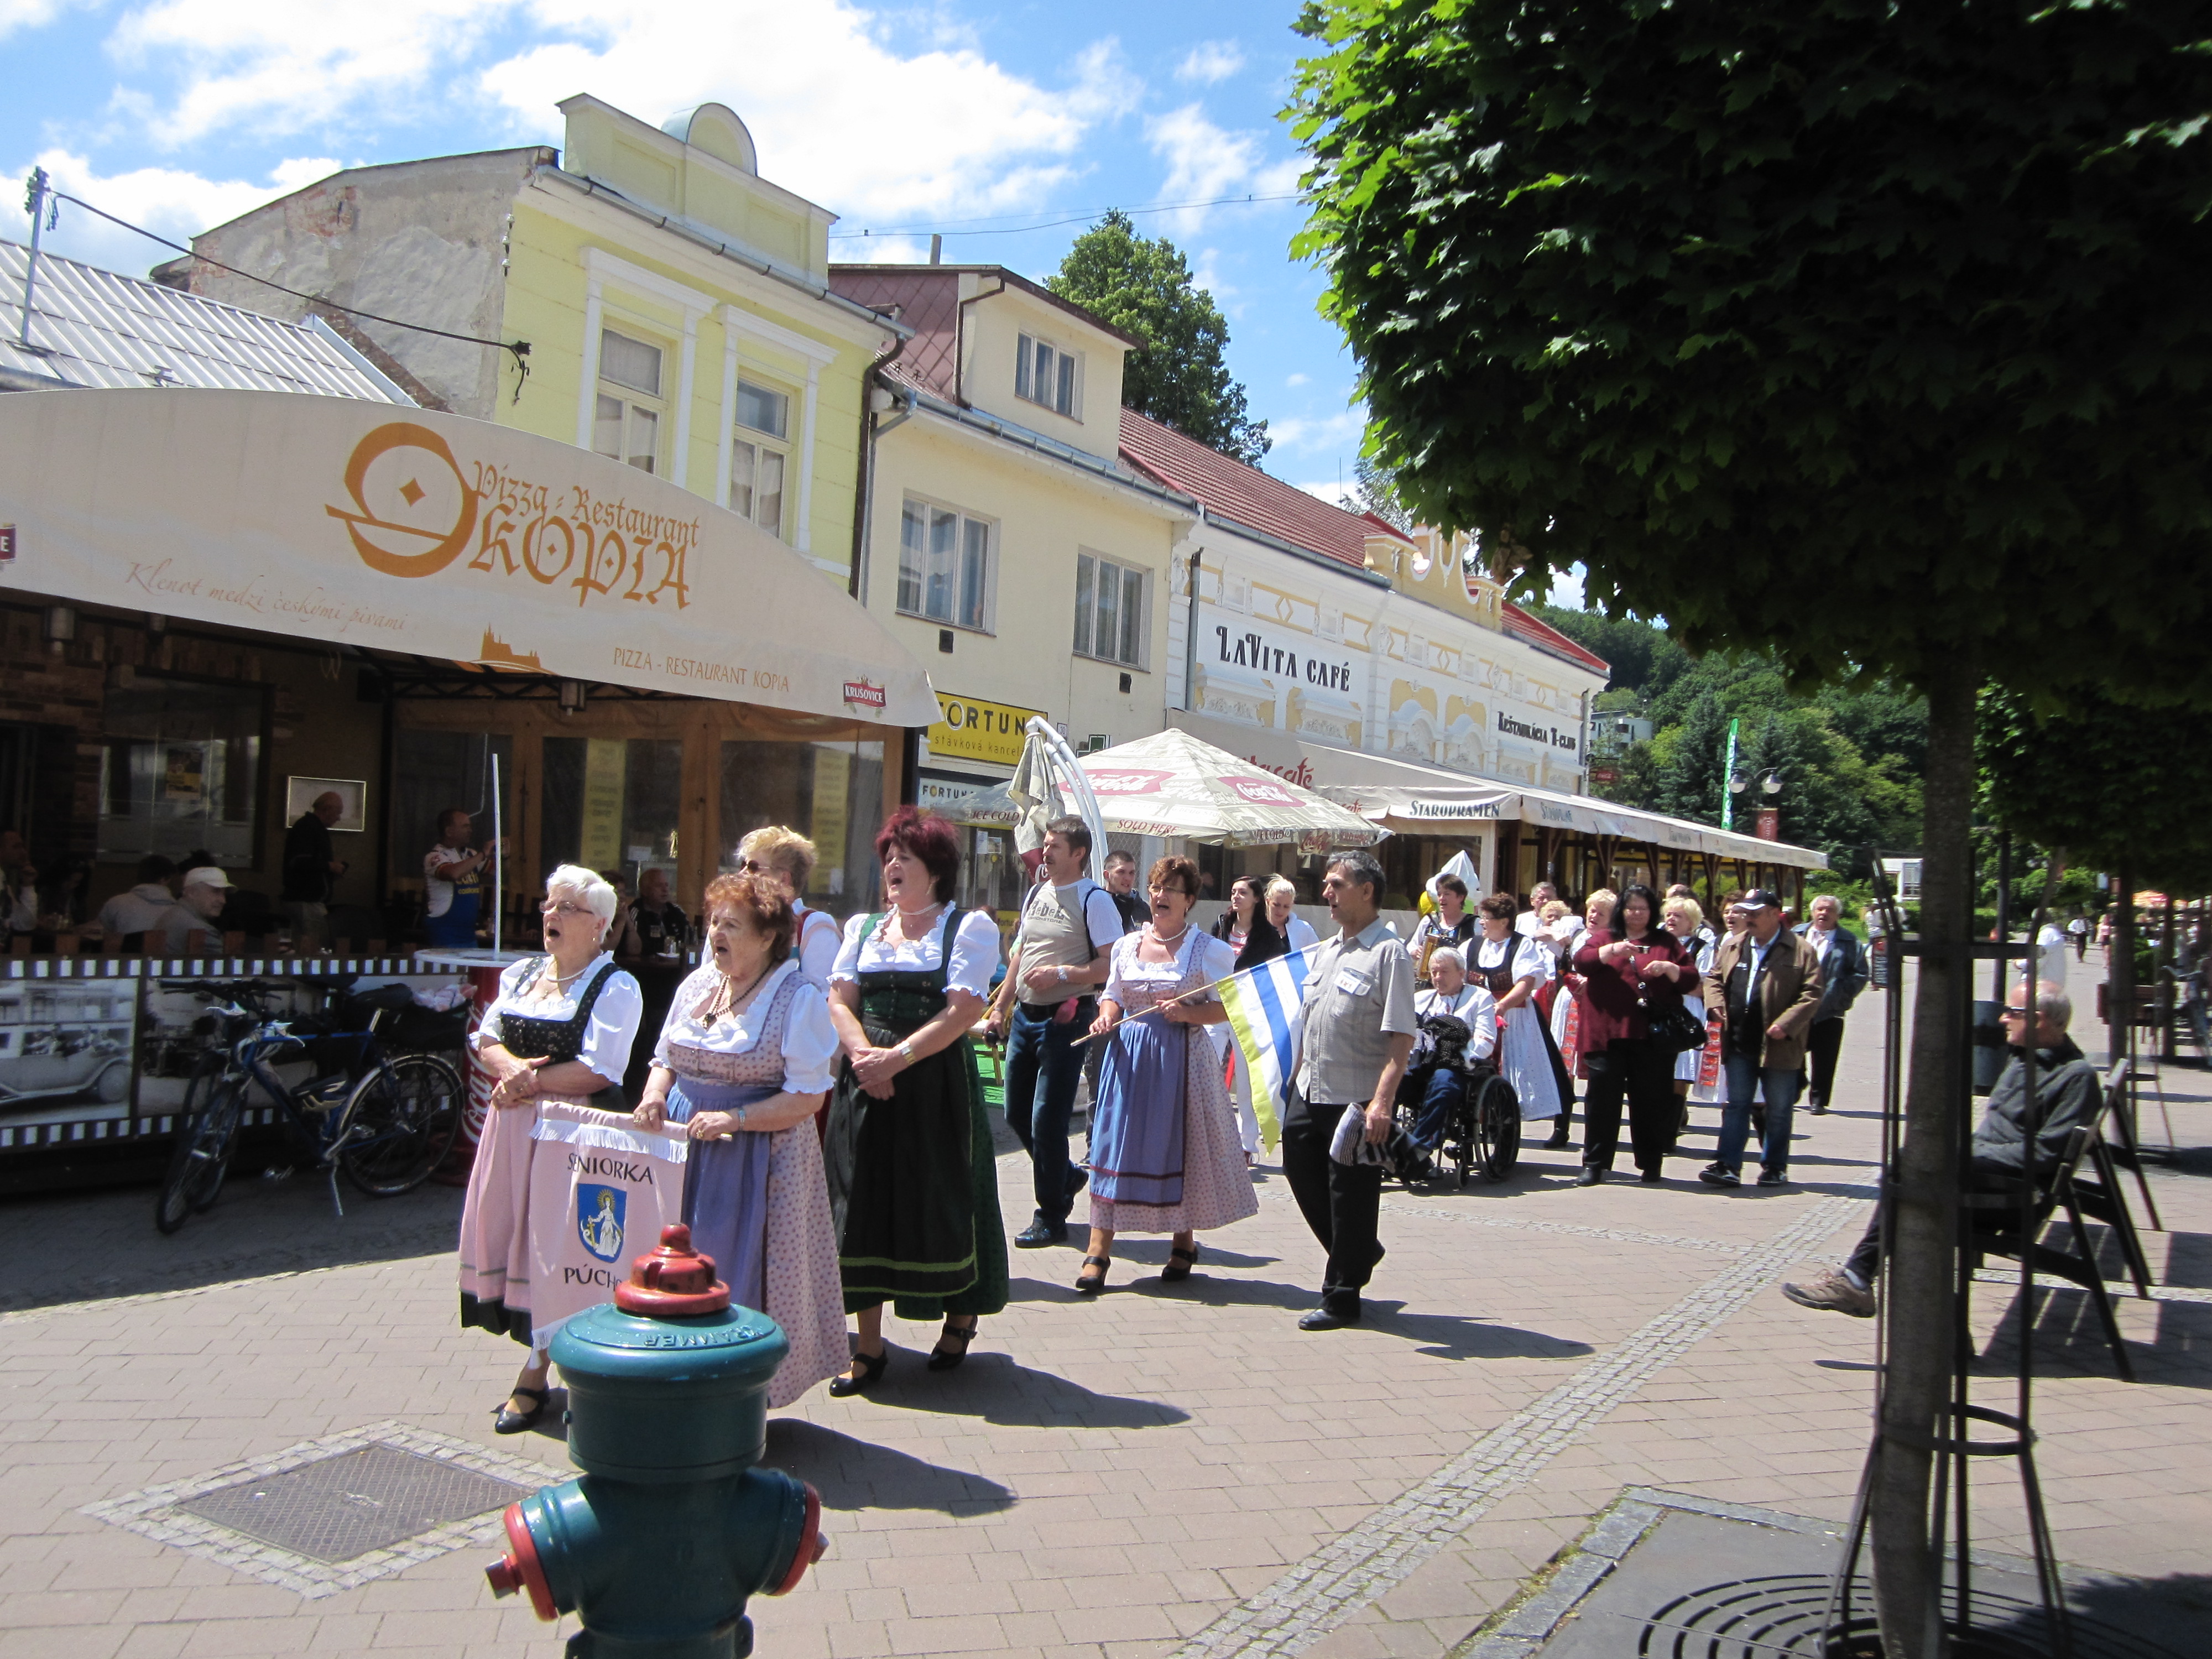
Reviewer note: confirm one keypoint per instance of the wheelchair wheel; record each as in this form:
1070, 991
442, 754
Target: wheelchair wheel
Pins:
1495, 1110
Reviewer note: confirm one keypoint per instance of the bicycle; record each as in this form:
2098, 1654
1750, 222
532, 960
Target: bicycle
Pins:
386, 1121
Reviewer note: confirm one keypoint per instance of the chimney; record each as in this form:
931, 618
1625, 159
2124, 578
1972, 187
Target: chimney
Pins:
936, 250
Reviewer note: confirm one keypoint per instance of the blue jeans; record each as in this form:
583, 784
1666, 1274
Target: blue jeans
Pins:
1744, 1077
1444, 1090
1043, 1066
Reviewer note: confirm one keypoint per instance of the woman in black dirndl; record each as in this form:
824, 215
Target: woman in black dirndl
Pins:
913, 1189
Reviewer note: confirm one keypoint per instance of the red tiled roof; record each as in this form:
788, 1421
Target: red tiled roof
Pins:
1537, 631
1245, 494
928, 298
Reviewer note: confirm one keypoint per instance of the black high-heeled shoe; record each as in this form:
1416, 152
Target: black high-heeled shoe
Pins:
1085, 1284
942, 1359
1179, 1262
870, 1368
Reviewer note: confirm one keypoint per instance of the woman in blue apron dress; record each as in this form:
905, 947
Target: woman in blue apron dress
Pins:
745, 1058
913, 1189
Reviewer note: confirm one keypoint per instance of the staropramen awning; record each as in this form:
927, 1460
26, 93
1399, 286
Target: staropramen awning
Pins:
405, 530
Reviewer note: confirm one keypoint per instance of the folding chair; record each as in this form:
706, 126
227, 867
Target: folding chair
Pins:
1995, 1231
2102, 1197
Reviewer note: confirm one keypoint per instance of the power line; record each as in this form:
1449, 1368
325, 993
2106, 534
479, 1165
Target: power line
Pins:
988, 227
519, 348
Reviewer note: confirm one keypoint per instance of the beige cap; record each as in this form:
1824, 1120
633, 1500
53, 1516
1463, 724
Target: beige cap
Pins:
206, 876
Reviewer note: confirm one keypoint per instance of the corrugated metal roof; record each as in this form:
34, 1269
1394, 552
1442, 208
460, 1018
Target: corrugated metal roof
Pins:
101, 329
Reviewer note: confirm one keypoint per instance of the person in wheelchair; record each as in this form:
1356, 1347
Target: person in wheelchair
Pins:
1458, 1035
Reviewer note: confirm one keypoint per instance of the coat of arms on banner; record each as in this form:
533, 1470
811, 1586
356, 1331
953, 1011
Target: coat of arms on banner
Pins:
599, 1219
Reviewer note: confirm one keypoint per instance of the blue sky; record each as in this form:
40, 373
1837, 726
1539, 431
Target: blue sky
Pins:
982, 121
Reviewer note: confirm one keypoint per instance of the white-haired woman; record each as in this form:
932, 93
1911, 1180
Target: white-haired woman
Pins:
785, 854
1449, 995
559, 1032
1282, 894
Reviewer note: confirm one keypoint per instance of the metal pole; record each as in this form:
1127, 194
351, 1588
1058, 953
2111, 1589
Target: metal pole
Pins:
498, 854
35, 200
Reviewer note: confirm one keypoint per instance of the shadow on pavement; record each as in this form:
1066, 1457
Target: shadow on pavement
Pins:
2070, 1341
855, 1474
257, 1228
996, 1388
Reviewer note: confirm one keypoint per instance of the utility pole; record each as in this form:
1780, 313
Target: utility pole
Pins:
34, 204
1727, 783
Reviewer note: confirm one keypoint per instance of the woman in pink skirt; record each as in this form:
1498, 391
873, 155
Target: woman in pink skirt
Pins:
560, 1032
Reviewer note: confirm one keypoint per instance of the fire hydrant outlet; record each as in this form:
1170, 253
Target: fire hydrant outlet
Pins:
810, 1546
520, 1568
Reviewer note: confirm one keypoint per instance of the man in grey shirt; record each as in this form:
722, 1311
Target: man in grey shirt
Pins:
1358, 1034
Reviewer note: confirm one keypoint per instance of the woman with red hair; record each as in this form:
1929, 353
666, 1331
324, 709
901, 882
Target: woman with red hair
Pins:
914, 1186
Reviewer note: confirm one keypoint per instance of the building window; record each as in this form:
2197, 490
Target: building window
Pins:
944, 566
759, 455
1109, 611
1045, 374
627, 426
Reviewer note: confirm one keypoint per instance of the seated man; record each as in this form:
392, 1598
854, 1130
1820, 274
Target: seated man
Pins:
142, 906
206, 891
1459, 1024
2067, 1089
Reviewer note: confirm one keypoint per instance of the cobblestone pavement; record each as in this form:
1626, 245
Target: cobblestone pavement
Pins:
1165, 1471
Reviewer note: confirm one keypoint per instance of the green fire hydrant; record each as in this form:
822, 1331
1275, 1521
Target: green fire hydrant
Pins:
656, 1547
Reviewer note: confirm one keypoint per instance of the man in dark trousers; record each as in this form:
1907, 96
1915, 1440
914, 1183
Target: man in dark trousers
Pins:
310, 865
1767, 982
1358, 1025
2067, 1091
1842, 976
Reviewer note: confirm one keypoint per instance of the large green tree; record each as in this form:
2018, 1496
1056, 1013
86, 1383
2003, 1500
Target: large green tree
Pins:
1869, 335
1144, 288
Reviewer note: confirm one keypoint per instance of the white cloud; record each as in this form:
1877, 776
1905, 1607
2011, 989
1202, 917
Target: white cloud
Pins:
1206, 162
26, 14
1335, 494
1298, 380
1211, 61
1297, 432
281, 66
884, 251
838, 116
176, 204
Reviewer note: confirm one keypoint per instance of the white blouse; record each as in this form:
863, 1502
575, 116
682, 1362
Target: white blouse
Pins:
609, 1034
818, 940
1529, 959
1125, 968
974, 952
809, 1041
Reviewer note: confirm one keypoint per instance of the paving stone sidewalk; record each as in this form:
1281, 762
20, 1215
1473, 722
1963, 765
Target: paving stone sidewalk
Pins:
1165, 1471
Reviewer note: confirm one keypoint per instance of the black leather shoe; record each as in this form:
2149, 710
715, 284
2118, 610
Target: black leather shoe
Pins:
510, 1421
1772, 1178
1038, 1234
871, 1367
1077, 1181
1590, 1177
1321, 1319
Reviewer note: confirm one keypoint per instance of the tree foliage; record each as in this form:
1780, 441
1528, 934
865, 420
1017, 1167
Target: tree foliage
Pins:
1719, 296
1144, 288
2117, 787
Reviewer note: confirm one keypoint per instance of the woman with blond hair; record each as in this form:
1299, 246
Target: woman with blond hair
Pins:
1164, 1157
1684, 917
747, 1055
558, 1034
786, 856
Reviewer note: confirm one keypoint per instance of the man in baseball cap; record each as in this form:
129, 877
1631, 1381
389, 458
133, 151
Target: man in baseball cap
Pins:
1767, 981
206, 890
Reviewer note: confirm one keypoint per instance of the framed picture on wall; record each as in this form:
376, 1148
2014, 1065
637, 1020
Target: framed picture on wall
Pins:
302, 794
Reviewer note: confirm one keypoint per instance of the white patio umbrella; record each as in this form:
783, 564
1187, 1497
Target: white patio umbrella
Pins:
1173, 785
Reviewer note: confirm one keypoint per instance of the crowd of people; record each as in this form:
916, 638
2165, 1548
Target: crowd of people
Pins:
819, 1087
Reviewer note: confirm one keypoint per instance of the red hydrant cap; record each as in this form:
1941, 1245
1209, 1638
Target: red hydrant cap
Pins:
674, 1282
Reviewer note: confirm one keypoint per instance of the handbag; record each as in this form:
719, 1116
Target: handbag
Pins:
1678, 1029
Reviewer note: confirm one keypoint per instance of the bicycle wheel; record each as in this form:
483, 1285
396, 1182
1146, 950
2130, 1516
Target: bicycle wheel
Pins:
399, 1123
207, 1130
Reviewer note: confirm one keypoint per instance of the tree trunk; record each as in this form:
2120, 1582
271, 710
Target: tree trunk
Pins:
1917, 1309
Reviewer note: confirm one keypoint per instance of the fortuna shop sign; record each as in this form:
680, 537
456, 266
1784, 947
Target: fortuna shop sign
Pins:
974, 728
353, 522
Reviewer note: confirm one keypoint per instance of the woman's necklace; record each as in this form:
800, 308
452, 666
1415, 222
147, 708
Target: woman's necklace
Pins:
717, 1009
1158, 937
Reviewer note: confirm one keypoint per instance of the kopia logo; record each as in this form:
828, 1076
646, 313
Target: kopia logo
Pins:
423, 510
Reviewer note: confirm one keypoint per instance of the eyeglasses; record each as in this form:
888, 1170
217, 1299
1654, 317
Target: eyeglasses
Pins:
564, 908
2012, 1013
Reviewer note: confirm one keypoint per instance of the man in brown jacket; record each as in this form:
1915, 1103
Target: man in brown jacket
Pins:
1768, 982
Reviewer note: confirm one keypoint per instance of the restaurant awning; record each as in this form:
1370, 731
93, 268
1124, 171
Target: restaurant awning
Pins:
1438, 809
1172, 785
356, 523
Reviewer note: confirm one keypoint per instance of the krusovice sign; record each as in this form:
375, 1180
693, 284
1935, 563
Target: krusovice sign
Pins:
362, 524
